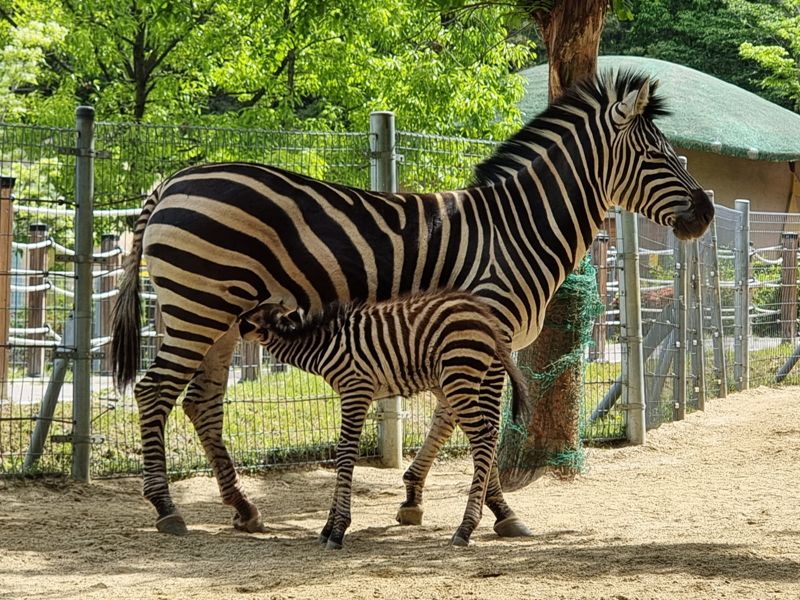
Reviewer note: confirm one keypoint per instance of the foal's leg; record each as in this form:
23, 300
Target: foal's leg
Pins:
442, 424
355, 404
507, 524
479, 418
203, 404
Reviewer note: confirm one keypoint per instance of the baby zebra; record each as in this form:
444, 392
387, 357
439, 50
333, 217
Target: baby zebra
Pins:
446, 342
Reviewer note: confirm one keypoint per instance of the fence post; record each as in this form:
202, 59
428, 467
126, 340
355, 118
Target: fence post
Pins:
741, 329
6, 238
84, 249
252, 356
37, 261
383, 178
630, 304
698, 318
789, 287
680, 299
597, 351
720, 361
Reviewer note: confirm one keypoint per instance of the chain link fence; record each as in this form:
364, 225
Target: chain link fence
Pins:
277, 415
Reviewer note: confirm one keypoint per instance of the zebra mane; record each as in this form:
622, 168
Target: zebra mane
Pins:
587, 95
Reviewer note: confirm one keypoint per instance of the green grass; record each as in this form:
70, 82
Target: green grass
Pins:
293, 417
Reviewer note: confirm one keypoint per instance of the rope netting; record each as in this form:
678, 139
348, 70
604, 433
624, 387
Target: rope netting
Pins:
548, 439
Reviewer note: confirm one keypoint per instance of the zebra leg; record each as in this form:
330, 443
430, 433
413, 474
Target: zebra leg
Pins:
354, 412
203, 404
507, 524
478, 416
442, 425
156, 393
155, 402
482, 434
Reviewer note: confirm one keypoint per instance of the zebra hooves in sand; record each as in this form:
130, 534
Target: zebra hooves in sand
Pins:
507, 524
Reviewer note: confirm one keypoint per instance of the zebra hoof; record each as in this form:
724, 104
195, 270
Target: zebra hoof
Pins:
459, 541
512, 527
409, 515
322, 539
332, 545
172, 524
252, 525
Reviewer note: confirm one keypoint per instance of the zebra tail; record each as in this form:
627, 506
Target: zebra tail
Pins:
126, 316
520, 402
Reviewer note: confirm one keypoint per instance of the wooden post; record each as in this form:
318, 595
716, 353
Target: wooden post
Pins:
37, 261
597, 351
252, 354
108, 242
6, 237
789, 287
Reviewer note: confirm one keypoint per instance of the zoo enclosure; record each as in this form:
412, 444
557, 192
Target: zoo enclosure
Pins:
728, 285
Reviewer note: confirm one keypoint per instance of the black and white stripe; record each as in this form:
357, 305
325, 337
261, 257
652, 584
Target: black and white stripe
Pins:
222, 239
446, 342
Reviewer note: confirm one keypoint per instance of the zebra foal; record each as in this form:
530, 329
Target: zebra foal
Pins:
447, 342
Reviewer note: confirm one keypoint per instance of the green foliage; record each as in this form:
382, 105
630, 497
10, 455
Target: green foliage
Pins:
779, 57
290, 64
703, 34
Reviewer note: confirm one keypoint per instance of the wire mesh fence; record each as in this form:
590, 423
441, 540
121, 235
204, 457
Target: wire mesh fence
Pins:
36, 286
277, 415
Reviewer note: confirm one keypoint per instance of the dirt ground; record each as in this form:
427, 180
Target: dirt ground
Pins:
709, 508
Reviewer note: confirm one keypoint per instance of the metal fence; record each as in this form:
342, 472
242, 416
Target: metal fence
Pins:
693, 340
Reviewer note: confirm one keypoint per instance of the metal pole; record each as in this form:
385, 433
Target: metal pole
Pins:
720, 361
383, 178
788, 295
631, 328
45, 417
698, 341
84, 247
741, 366
681, 293
597, 351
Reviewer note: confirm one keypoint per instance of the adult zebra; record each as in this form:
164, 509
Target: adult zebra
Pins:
221, 239
446, 342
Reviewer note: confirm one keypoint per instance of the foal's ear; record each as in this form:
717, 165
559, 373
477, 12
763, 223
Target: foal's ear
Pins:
254, 321
635, 102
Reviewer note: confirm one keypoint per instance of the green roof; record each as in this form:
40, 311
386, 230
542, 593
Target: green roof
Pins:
707, 113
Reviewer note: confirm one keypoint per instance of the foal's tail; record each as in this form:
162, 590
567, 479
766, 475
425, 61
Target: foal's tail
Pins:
126, 316
519, 386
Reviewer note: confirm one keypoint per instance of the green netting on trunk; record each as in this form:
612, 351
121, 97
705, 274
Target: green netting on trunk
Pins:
547, 438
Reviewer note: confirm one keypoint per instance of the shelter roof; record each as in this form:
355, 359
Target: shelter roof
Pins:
708, 114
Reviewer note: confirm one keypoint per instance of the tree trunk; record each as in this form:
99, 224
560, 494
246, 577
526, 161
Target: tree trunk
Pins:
571, 32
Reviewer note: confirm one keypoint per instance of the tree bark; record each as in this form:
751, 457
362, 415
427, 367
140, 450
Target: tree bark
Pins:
571, 33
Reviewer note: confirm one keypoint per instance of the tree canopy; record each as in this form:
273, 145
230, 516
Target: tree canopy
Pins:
287, 64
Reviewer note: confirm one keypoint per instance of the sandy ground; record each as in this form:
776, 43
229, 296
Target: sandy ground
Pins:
709, 508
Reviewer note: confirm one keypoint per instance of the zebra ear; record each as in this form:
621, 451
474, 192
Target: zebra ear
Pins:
635, 102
